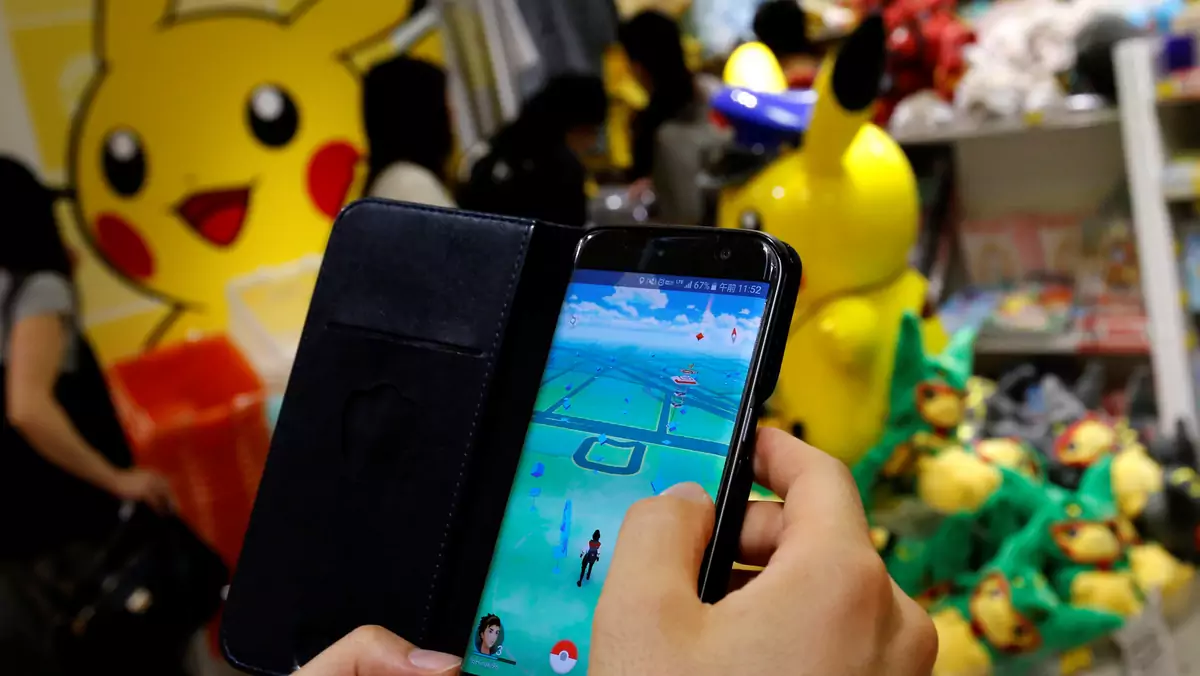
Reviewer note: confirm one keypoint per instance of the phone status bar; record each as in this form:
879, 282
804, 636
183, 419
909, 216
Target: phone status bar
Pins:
642, 280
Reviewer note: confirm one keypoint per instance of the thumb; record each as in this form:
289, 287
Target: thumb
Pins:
375, 651
661, 546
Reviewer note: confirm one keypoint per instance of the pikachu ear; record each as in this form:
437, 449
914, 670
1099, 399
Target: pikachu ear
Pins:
846, 86
752, 66
343, 26
121, 23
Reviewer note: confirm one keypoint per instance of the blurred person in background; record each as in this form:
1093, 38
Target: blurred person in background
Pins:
782, 26
534, 168
65, 463
408, 127
671, 133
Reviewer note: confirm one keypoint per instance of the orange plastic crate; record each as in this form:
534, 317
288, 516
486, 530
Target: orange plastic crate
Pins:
195, 411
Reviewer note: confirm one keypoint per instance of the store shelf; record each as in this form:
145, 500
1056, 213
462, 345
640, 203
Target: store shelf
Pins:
1067, 344
1141, 92
1048, 122
1178, 88
1181, 180
1064, 344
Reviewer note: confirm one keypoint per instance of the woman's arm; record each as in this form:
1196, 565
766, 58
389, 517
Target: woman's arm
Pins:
35, 352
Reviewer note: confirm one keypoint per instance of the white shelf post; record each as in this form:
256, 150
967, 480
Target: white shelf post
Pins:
1145, 159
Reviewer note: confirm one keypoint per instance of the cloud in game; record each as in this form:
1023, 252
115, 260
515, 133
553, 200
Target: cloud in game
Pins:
629, 299
644, 317
590, 309
745, 311
691, 307
574, 297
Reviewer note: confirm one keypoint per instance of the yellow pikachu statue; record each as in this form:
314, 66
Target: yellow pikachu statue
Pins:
214, 142
842, 193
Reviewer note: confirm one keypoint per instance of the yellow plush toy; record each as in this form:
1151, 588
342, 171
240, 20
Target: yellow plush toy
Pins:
846, 199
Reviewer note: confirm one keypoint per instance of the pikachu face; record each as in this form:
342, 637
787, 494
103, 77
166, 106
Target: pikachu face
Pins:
1086, 441
214, 143
1006, 628
940, 405
1088, 542
1009, 453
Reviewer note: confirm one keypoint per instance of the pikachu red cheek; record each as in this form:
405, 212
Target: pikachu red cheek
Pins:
123, 248
330, 175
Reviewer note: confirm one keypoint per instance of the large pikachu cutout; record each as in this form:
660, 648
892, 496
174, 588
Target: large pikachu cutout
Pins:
846, 199
215, 142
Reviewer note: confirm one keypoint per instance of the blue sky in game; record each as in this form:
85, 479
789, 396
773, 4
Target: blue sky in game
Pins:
658, 319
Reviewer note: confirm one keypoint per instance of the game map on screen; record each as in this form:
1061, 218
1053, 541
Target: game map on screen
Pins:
641, 391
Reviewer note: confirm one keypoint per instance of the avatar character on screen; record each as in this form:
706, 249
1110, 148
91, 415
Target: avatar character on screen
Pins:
489, 638
590, 556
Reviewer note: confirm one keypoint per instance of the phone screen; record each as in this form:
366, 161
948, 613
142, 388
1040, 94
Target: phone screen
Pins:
641, 391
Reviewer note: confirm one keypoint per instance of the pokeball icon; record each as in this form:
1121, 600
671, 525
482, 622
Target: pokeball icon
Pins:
563, 656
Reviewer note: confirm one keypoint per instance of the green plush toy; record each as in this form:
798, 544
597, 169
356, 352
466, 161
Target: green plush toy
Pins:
1076, 537
1007, 511
1009, 618
925, 567
925, 406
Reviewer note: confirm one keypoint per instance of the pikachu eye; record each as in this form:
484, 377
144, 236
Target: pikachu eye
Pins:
272, 115
124, 162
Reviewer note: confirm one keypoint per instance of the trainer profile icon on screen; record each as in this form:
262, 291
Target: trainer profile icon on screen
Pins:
489, 637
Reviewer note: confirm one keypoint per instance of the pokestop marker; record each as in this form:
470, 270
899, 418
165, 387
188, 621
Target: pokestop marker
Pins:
563, 656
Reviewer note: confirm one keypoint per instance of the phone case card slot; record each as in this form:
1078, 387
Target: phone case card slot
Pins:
450, 260
407, 430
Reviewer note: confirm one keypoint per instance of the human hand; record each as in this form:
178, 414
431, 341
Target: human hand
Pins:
375, 651
142, 485
824, 604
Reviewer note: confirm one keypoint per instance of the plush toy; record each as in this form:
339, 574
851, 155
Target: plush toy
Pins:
926, 567
845, 197
979, 391
1009, 618
1011, 453
1023, 46
925, 41
1171, 516
1084, 550
1094, 62
1038, 545
926, 403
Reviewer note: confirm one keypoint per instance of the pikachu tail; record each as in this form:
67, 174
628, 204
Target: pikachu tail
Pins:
846, 87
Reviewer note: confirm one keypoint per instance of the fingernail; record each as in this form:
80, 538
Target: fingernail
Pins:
689, 491
433, 661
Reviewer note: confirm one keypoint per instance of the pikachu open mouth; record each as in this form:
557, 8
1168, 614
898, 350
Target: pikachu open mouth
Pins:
217, 215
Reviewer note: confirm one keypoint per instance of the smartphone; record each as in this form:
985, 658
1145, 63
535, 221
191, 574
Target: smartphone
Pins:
668, 342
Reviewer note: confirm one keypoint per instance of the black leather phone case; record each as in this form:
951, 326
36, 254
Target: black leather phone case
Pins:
400, 432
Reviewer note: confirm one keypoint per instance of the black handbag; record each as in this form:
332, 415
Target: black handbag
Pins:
133, 603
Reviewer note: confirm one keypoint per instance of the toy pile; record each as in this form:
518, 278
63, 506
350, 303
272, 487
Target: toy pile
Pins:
1012, 58
925, 42
1027, 518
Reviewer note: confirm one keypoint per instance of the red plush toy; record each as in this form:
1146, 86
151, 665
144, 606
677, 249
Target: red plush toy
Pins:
925, 49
